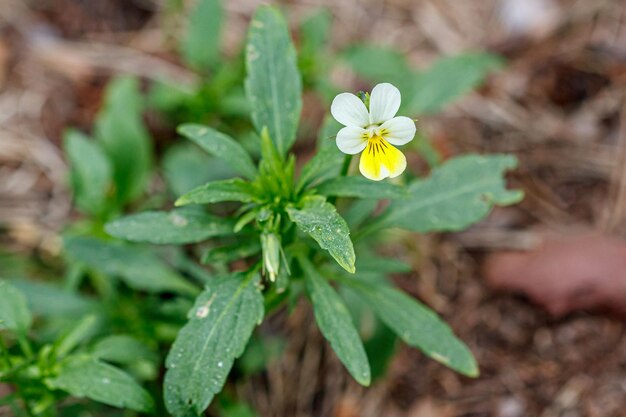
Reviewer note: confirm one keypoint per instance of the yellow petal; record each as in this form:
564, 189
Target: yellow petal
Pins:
381, 160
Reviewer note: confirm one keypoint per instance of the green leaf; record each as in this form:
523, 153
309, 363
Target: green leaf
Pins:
124, 138
90, 172
373, 263
326, 163
186, 167
87, 377
448, 79
140, 268
458, 193
47, 299
230, 253
327, 135
178, 226
315, 31
122, 349
361, 187
321, 221
238, 410
335, 323
273, 84
217, 332
14, 313
381, 64
200, 46
78, 333
221, 146
359, 212
416, 325
217, 191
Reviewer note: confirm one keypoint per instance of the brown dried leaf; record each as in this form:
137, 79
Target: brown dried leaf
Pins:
582, 272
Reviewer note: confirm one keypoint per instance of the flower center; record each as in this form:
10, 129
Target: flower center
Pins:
374, 132
376, 145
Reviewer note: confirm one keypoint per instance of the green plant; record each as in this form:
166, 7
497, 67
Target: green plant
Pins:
268, 233
287, 230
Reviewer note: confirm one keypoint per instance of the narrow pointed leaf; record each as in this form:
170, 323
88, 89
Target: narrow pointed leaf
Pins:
361, 187
320, 220
219, 327
14, 312
47, 299
221, 146
458, 193
448, 79
200, 47
178, 226
84, 376
335, 323
218, 191
325, 164
123, 349
90, 172
121, 132
137, 266
273, 84
416, 325
381, 64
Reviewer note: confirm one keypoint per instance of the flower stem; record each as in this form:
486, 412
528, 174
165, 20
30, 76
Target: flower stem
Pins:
346, 165
344, 172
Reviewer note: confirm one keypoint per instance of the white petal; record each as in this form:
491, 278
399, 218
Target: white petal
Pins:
352, 140
398, 131
384, 102
349, 110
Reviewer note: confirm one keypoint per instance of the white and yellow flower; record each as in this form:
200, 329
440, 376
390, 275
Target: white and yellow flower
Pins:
374, 132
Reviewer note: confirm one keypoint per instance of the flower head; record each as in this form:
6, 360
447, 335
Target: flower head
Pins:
374, 132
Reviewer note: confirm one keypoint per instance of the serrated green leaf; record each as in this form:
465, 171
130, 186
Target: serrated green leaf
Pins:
200, 47
84, 376
178, 226
273, 84
218, 191
140, 268
121, 132
416, 325
335, 323
122, 349
221, 146
361, 187
448, 79
90, 172
458, 193
14, 313
219, 327
320, 220
326, 163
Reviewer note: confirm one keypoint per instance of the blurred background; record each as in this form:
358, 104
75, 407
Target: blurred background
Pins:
538, 290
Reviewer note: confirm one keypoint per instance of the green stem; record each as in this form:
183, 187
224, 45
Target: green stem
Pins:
25, 345
5, 354
344, 172
346, 165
